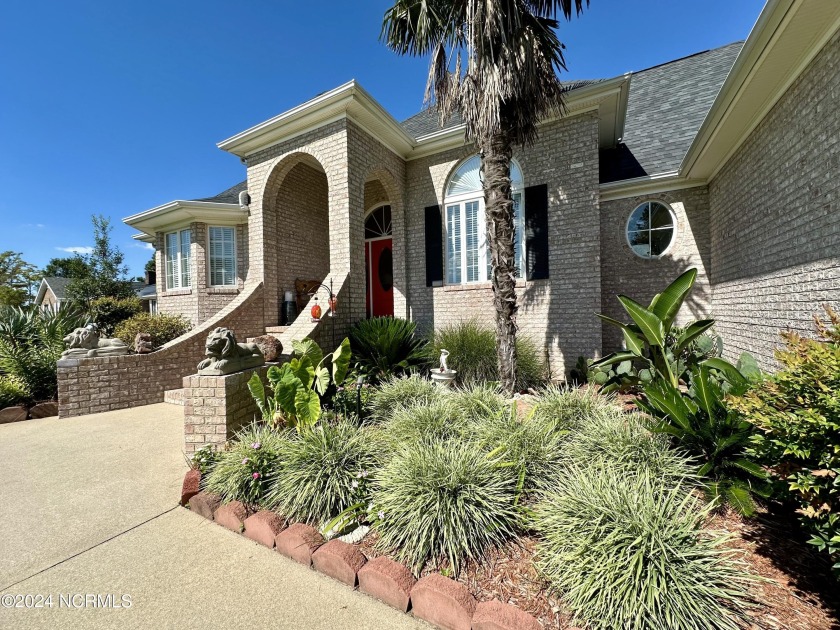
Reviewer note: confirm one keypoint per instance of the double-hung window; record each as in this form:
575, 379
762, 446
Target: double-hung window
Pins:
178, 259
467, 248
222, 256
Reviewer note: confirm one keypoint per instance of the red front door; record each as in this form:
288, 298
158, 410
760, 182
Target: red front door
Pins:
380, 277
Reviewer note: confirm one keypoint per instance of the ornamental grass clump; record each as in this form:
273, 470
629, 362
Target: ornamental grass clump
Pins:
443, 500
622, 440
563, 409
323, 471
439, 420
239, 473
409, 391
480, 401
630, 552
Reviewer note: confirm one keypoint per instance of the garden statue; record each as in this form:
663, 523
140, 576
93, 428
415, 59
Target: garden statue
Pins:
143, 343
225, 356
85, 342
443, 376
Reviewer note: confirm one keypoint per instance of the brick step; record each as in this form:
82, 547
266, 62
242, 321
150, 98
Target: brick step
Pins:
174, 397
276, 330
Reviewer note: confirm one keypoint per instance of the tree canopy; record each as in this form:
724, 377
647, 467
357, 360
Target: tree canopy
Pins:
107, 270
16, 279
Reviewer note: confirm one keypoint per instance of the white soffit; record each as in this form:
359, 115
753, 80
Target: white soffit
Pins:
180, 213
784, 40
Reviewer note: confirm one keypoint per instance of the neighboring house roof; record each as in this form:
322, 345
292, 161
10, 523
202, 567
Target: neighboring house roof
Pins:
230, 195
665, 109
58, 287
426, 121
146, 292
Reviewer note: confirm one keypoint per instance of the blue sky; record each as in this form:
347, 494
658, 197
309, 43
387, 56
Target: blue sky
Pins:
116, 107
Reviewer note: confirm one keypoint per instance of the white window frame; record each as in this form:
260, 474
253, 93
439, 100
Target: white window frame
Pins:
673, 227
210, 282
484, 271
181, 275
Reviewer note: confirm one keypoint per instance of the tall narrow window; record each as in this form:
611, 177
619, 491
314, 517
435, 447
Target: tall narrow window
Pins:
467, 246
222, 256
177, 265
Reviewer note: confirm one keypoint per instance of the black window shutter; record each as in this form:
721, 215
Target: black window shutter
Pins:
536, 232
434, 246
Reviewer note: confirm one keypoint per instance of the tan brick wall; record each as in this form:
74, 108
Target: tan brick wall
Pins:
557, 313
775, 217
623, 272
103, 384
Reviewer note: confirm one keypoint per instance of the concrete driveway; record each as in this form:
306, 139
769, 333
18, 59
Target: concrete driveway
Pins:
88, 508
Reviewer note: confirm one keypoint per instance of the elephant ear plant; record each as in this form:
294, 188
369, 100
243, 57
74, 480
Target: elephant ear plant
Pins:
656, 349
297, 386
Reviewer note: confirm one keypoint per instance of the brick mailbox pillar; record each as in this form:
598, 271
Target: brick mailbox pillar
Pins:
216, 407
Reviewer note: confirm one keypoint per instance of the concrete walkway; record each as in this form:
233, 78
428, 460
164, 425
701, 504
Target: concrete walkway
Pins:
88, 507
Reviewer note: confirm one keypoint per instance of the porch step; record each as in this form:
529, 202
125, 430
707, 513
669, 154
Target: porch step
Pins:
276, 330
174, 397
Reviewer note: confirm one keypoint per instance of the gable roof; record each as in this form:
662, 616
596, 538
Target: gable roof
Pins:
229, 195
665, 109
426, 121
57, 285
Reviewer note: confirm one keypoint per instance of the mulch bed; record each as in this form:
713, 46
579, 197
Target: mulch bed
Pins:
797, 589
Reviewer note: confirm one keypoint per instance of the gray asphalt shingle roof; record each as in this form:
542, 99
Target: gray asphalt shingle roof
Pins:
426, 120
58, 286
231, 195
666, 106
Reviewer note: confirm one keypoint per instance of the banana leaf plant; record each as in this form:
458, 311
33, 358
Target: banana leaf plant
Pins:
654, 346
705, 427
296, 387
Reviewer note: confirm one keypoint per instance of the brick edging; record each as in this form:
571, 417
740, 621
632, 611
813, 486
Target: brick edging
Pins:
446, 603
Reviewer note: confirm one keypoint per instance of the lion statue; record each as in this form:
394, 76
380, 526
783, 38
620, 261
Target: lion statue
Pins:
225, 356
86, 342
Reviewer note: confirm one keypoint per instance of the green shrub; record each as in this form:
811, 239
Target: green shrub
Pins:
240, 473
163, 328
797, 414
440, 419
323, 471
443, 499
472, 353
12, 391
386, 346
407, 391
31, 341
204, 459
563, 409
108, 312
622, 440
630, 552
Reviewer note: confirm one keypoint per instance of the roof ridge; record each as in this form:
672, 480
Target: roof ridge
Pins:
697, 54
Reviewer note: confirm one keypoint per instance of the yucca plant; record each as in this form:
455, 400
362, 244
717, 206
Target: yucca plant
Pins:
630, 552
405, 391
323, 471
386, 346
444, 500
239, 473
702, 424
652, 350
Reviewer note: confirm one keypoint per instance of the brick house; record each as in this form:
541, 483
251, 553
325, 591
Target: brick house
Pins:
726, 160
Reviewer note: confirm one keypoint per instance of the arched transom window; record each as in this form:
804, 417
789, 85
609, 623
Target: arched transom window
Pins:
467, 257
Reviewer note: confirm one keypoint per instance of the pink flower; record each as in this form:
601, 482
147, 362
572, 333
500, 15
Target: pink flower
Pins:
255, 445
355, 484
245, 461
256, 475
381, 515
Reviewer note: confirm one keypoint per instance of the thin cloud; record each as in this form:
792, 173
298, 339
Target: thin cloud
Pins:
75, 250
146, 246
37, 226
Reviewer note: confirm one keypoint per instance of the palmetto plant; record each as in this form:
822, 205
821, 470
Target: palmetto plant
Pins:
385, 346
495, 63
654, 345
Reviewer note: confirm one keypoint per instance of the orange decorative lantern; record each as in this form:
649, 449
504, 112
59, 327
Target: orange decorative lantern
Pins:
316, 311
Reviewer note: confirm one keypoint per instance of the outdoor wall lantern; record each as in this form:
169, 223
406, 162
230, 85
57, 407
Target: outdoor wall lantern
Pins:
332, 301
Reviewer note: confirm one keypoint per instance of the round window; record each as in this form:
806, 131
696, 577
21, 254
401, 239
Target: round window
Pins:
650, 229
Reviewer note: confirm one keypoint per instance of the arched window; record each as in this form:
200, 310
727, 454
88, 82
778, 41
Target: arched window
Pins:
467, 256
651, 229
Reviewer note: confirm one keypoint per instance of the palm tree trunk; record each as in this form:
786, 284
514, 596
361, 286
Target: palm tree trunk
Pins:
495, 161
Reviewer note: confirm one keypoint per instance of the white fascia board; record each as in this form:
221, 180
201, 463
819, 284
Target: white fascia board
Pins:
648, 185
785, 39
42, 291
144, 238
347, 100
183, 212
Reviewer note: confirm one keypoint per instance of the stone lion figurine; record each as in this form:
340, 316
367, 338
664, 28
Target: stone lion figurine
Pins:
225, 356
85, 342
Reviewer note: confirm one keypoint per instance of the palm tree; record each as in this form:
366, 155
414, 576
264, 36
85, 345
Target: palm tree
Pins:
496, 63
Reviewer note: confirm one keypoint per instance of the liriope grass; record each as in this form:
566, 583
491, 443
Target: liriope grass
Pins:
563, 409
402, 392
629, 552
323, 470
443, 500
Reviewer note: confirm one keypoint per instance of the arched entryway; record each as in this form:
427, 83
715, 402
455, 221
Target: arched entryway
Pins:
379, 262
